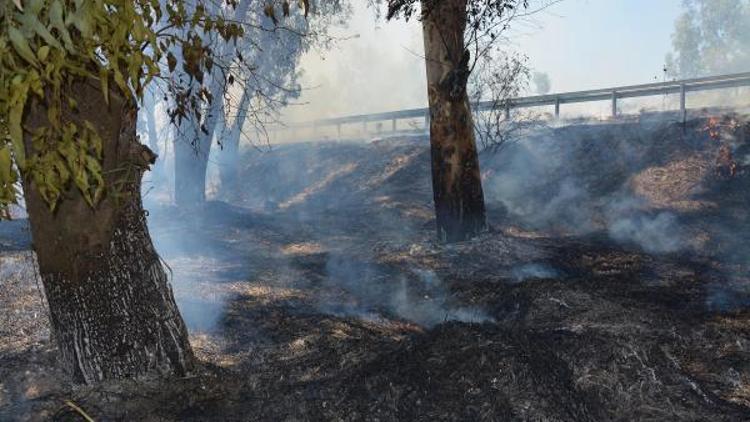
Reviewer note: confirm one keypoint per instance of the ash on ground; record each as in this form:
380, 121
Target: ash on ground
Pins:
612, 285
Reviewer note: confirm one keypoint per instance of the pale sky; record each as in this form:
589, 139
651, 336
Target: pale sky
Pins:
580, 44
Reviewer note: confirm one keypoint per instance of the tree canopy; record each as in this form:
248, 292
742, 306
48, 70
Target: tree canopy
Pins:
710, 37
47, 45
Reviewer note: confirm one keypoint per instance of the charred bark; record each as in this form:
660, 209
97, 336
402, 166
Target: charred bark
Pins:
112, 311
456, 180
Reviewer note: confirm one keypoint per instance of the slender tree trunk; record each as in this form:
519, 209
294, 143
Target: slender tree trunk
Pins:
191, 159
229, 159
112, 311
190, 165
157, 169
229, 164
456, 181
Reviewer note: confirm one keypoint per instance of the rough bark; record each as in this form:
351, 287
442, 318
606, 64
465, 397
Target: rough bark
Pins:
112, 311
456, 180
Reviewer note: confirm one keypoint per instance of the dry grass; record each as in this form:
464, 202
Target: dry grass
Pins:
673, 185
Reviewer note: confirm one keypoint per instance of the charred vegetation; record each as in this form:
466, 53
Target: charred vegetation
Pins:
325, 296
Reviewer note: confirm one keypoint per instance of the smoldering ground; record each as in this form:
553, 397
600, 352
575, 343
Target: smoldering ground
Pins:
321, 220
579, 180
322, 281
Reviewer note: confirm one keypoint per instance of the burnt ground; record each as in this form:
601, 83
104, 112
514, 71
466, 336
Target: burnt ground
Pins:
319, 294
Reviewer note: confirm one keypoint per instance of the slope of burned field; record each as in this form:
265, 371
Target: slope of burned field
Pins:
657, 186
334, 175
662, 186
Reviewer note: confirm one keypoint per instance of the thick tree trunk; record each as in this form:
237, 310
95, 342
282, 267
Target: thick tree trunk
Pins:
112, 311
456, 181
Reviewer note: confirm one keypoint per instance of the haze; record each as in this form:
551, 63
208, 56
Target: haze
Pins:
581, 44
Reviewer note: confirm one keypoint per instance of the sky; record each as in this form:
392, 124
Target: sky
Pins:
580, 44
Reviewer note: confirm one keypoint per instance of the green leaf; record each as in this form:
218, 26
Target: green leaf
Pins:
15, 116
6, 167
42, 53
82, 21
56, 20
120, 81
95, 171
21, 45
34, 6
8, 179
31, 22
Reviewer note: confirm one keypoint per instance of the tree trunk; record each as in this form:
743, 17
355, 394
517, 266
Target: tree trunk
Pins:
191, 160
229, 159
157, 170
190, 165
229, 164
112, 311
456, 181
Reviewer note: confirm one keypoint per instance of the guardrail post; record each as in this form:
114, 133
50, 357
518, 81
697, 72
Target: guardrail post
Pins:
427, 121
614, 103
393, 125
557, 107
683, 111
507, 111
338, 129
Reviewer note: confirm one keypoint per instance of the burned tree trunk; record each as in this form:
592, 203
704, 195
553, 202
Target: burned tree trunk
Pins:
456, 181
112, 311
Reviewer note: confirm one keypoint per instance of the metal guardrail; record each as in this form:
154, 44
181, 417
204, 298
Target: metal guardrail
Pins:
681, 87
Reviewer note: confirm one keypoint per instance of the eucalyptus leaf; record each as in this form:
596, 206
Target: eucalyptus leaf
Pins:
21, 45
